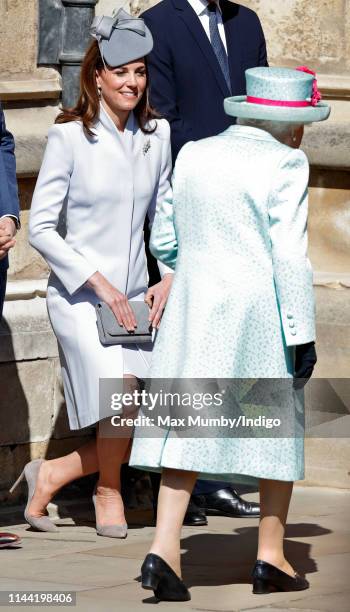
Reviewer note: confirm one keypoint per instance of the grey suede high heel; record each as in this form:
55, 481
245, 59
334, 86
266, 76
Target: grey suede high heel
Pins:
30, 473
110, 531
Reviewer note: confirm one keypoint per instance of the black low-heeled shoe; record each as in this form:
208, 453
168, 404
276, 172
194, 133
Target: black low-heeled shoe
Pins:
158, 576
267, 578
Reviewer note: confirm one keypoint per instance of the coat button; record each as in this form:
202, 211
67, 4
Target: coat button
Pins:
293, 332
291, 324
289, 316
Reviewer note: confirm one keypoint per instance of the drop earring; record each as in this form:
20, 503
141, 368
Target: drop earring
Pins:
99, 92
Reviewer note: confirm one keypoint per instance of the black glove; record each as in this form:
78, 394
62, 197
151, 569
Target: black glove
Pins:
305, 360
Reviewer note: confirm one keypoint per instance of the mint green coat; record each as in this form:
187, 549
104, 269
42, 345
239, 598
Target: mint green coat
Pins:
234, 230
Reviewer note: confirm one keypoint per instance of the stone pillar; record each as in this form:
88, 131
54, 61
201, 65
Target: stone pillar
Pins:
77, 18
63, 38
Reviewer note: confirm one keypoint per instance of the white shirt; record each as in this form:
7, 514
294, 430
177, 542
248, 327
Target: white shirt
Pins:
200, 8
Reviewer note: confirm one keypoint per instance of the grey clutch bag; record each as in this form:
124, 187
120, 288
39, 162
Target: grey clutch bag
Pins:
110, 331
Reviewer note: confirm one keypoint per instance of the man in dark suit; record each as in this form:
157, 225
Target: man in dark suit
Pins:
188, 82
201, 51
9, 205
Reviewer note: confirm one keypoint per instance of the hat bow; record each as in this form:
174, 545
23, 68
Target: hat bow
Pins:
102, 27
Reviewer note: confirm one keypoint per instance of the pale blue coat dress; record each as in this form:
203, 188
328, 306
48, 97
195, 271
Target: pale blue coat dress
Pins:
88, 212
242, 296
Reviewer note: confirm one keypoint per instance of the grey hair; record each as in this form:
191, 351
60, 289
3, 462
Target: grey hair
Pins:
279, 129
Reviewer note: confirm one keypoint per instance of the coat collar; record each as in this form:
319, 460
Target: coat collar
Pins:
124, 138
133, 140
247, 131
110, 126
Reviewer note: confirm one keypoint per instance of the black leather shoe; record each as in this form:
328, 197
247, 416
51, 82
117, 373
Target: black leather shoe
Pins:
268, 578
194, 517
9, 540
157, 576
226, 502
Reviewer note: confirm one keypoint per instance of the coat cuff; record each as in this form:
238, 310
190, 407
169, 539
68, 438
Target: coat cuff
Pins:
74, 281
163, 269
297, 331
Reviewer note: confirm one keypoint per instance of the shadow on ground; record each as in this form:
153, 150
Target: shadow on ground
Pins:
232, 556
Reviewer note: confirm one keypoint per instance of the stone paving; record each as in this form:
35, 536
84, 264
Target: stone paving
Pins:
216, 560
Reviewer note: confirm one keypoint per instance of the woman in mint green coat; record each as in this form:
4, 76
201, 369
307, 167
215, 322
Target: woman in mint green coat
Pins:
241, 307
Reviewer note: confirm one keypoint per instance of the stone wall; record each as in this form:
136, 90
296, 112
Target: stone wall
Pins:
18, 32
311, 33
33, 421
30, 96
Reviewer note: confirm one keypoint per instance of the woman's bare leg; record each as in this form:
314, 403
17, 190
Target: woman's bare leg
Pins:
112, 452
109, 502
174, 494
274, 503
88, 459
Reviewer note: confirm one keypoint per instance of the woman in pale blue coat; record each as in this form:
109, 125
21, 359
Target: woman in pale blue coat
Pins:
241, 307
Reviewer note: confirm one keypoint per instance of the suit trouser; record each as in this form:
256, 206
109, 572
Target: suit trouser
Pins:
3, 277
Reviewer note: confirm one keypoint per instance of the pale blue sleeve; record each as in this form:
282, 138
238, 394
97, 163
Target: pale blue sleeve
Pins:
163, 241
288, 211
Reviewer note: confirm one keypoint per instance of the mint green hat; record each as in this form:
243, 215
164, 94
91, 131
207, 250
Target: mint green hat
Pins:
279, 94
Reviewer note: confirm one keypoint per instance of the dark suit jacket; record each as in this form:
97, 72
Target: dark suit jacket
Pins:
9, 204
186, 83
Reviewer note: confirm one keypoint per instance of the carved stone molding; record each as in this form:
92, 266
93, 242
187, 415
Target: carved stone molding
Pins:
334, 86
27, 88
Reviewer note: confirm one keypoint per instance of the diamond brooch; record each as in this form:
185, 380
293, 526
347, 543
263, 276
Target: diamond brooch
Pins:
146, 146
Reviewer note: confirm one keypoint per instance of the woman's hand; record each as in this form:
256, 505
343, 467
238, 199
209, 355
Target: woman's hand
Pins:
117, 301
156, 298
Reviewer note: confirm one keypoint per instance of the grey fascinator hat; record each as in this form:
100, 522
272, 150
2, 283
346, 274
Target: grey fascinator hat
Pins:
121, 38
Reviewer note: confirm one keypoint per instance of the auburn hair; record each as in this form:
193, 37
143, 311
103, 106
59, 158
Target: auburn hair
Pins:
88, 106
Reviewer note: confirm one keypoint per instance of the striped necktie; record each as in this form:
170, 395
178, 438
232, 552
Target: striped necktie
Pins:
217, 44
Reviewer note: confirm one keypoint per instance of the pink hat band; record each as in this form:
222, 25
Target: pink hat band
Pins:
290, 103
